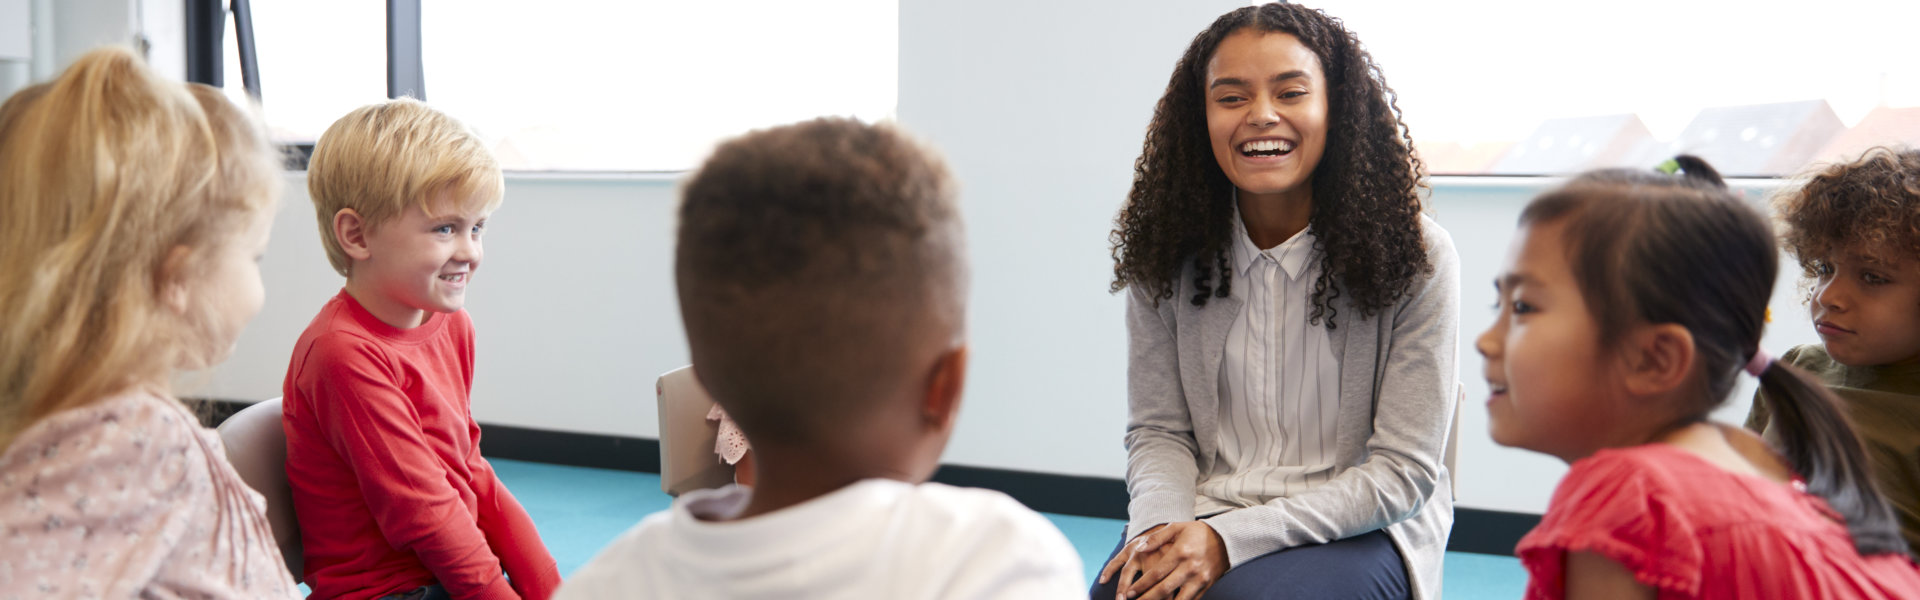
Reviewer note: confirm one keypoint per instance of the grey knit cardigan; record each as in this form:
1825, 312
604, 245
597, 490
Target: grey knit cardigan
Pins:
1398, 383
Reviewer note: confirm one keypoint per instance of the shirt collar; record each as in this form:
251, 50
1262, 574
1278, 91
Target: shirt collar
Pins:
1291, 255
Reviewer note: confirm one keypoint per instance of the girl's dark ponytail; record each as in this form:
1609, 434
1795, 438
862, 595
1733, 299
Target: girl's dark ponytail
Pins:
1820, 445
1696, 169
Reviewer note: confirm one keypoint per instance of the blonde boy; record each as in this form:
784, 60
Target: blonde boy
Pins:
393, 497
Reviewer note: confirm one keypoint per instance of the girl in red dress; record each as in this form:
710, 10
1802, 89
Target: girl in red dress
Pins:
1630, 303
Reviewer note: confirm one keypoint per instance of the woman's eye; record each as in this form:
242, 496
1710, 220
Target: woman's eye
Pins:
1294, 94
1229, 99
1521, 307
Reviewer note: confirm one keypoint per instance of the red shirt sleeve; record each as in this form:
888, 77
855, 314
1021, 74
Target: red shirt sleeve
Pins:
1614, 504
369, 420
510, 532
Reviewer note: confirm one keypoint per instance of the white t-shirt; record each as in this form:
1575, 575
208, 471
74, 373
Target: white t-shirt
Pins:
877, 538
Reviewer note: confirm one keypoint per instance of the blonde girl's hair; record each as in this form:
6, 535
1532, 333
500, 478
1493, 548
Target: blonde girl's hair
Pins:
104, 172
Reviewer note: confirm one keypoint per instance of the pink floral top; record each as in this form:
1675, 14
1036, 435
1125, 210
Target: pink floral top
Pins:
130, 497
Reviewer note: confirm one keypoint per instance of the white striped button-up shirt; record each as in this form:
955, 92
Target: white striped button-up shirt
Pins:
1279, 381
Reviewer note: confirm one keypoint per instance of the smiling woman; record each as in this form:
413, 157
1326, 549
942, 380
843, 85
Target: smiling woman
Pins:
1275, 250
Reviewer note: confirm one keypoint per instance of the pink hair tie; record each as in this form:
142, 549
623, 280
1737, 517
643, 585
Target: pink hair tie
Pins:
1760, 363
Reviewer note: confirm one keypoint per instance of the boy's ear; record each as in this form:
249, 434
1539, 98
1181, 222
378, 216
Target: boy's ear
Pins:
1659, 359
351, 231
172, 282
942, 404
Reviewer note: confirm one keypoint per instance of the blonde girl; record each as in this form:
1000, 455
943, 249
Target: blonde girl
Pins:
133, 211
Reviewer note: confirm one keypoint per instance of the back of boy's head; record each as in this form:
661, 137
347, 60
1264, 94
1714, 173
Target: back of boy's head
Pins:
384, 159
107, 174
1871, 204
820, 269
1652, 248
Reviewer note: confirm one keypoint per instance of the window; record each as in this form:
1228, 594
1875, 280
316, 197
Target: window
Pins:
652, 86
1761, 88
317, 61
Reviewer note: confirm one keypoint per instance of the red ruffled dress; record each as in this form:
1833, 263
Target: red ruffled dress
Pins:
1691, 529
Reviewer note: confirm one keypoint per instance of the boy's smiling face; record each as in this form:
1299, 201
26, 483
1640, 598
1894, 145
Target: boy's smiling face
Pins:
1866, 307
416, 263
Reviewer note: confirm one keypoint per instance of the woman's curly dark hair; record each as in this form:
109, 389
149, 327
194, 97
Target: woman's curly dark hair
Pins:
1366, 189
1872, 204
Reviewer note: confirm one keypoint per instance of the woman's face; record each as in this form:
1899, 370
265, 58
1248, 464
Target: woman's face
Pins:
1266, 112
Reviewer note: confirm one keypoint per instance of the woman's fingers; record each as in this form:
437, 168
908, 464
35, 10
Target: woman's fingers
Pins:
1165, 588
1158, 567
1127, 552
1155, 538
1113, 564
1193, 589
1130, 574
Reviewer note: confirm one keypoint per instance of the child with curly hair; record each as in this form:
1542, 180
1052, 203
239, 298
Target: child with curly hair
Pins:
1855, 228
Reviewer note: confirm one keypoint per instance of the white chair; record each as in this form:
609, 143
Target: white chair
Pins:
257, 447
687, 461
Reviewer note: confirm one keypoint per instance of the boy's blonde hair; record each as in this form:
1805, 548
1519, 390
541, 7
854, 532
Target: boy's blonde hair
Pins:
382, 159
104, 173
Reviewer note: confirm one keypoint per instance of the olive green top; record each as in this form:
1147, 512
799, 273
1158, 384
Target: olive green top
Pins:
1884, 405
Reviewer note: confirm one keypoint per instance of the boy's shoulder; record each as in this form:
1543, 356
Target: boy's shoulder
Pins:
341, 324
968, 539
1812, 358
993, 542
987, 507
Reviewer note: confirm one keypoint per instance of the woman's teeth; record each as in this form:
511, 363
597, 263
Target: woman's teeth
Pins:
1266, 147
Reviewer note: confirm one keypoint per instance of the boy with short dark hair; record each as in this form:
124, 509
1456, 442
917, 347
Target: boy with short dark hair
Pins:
822, 282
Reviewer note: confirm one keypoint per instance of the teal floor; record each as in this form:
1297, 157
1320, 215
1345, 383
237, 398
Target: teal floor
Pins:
578, 510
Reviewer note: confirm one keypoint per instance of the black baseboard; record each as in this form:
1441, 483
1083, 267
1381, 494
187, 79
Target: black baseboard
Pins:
1474, 530
573, 449
1488, 531
1101, 497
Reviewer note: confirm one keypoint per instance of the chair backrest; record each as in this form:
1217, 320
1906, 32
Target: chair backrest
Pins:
687, 461
257, 447
1453, 440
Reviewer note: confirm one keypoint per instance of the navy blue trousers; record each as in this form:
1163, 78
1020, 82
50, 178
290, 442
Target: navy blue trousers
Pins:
1362, 566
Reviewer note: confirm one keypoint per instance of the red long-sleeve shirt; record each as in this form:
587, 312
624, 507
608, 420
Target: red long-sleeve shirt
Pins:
384, 458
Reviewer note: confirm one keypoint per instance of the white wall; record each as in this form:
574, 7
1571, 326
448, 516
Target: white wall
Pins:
1040, 108
38, 38
16, 45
